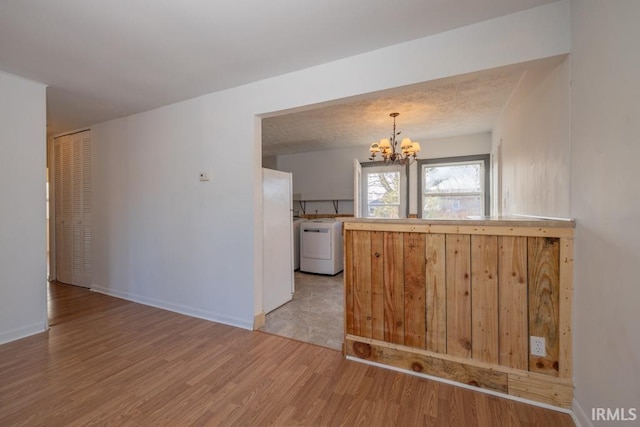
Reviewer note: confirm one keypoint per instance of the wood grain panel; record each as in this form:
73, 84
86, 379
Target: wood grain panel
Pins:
540, 390
436, 293
484, 296
566, 308
362, 283
512, 289
523, 228
414, 290
458, 264
544, 290
473, 300
348, 281
394, 288
428, 365
377, 285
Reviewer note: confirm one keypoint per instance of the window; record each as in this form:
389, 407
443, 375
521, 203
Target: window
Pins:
454, 187
384, 191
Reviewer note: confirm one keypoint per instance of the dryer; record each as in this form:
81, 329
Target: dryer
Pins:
296, 242
321, 246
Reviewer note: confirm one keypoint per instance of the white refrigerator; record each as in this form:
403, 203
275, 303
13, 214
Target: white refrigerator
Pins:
277, 270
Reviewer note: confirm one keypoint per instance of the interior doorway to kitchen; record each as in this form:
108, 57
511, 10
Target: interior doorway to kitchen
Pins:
315, 314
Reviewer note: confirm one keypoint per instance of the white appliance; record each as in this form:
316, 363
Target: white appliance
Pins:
321, 246
296, 242
277, 269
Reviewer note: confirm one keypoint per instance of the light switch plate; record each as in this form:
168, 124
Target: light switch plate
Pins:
204, 176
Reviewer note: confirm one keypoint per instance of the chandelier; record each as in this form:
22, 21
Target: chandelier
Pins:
388, 148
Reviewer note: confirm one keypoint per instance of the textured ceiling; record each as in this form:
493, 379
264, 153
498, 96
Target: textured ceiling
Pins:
104, 59
449, 107
454, 106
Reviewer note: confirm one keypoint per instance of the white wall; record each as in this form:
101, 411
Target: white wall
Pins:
534, 130
329, 174
23, 268
463, 145
605, 202
166, 239
162, 237
323, 175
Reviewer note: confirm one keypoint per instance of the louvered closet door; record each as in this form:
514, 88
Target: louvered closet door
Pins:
62, 195
73, 206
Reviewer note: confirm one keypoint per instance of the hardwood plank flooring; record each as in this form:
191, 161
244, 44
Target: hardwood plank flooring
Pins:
107, 361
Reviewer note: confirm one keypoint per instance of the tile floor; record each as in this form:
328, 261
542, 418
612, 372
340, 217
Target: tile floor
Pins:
315, 315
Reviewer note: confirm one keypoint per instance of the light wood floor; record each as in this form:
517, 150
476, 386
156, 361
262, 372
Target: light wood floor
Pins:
109, 361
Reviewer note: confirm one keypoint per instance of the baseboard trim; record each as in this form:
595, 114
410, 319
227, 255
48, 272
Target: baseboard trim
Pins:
259, 320
23, 332
579, 416
177, 308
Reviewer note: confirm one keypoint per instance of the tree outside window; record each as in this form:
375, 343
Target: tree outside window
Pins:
384, 191
383, 196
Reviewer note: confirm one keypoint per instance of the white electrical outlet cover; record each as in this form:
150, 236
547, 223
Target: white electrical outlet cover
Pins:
538, 346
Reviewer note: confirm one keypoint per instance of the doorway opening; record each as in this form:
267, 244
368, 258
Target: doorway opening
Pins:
48, 227
315, 314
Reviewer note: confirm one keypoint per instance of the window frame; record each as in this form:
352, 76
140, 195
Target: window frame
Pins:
364, 196
486, 165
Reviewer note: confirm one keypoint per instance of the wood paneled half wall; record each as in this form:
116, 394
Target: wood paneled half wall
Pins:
461, 300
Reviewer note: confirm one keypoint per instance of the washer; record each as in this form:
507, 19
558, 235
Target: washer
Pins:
321, 246
296, 242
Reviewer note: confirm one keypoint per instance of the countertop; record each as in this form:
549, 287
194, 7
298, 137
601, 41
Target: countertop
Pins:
507, 221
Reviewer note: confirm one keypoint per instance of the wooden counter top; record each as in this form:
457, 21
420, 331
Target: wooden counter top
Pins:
499, 226
503, 221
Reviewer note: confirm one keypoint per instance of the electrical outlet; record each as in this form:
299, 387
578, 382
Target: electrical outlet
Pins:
538, 347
